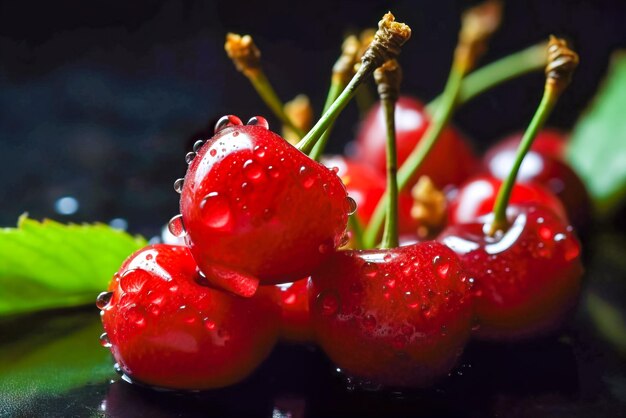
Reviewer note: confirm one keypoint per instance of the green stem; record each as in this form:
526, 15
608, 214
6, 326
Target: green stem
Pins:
418, 155
548, 101
310, 139
335, 90
263, 87
533, 58
357, 231
390, 233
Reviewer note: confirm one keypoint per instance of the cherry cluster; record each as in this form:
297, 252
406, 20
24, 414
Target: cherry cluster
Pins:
273, 252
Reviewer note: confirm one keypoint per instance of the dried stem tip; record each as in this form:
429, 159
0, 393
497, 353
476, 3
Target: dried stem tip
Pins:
300, 112
562, 61
388, 40
478, 24
244, 53
429, 207
388, 77
343, 70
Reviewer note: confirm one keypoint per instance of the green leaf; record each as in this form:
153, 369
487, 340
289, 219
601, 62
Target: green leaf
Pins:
597, 149
51, 265
57, 353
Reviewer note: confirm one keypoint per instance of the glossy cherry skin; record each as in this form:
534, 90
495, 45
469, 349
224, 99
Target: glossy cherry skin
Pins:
366, 186
397, 317
450, 161
167, 328
545, 165
295, 324
549, 142
527, 279
477, 197
254, 207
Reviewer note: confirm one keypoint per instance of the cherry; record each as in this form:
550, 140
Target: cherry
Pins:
450, 161
477, 197
544, 164
255, 208
167, 328
293, 299
549, 141
366, 186
527, 278
396, 317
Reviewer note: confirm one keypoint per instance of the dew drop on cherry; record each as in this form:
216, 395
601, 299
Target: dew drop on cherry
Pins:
369, 322
178, 185
273, 172
189, 157
226, 121
213, 152
369, 270
352, 205
259, 152
176, 226
136, 317
197, 145
329, 303
209, 325
215, 210
308, 178
258, 121
571, 249
104, 340
103, 299
345, 239
253, 170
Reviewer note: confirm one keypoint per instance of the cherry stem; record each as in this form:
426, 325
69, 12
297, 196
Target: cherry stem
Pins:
357, 231
388, 78
562, 62
336, 87
265, 90
546, 105
418, 155
491, 75
387, 43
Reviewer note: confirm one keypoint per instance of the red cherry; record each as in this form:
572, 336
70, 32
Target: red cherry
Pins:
255, 207
167, 329
477, 196
396, 317
366, 186
450, 162
545, 165
549, 142
293, 299
526, 279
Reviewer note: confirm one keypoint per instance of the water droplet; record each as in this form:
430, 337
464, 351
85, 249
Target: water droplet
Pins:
246, 187
235, 134
334, 169
369, 270
442, 267
188, 316
103, 299
345, 239
178, 185
174, 288
213, 152
176, 226
210, 325
369, 322
135, 316
226, 121
189, 157
571, 249
545, 233
197, 145
352, 206
104, 340
387, 258
274, 173
149, 257
215, 210
308, 178
259, 152
253, 170
328, 302
325, 247
412, 300
258, 121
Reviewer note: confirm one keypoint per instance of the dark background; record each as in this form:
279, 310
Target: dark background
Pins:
99, 99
